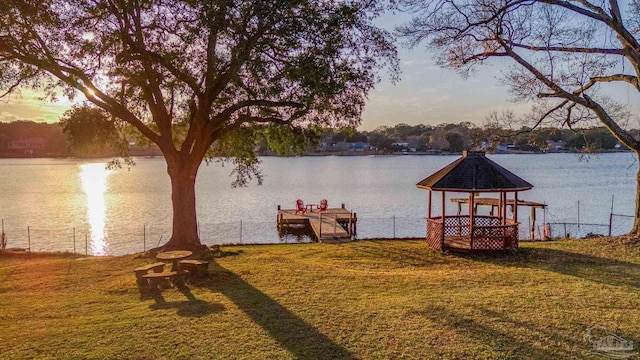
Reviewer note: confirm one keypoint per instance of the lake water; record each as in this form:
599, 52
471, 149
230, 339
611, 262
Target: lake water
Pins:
78, 205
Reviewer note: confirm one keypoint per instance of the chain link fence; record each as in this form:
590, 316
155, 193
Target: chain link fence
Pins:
114, 240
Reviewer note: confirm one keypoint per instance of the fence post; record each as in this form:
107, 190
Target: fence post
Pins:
611, 216
610, 223
29, 237
240, 231
394, 226
577, 235
355, 225
320, 227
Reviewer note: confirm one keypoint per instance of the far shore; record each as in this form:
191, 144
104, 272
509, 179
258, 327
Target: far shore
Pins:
336, 153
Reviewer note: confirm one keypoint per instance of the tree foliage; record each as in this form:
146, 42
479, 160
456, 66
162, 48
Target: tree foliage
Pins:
489, 137
91, 132
55, 142
186, 74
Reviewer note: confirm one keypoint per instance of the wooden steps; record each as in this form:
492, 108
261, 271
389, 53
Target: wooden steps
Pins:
328, 227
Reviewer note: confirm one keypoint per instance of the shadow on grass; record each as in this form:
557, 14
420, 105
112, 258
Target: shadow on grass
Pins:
226, 253
190, 308
588, 267
297, 336
419, 257
532, 344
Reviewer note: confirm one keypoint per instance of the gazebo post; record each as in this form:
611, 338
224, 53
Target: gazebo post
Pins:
472, 200
504, 208
500, 207
443, 225
429, 206
515, 206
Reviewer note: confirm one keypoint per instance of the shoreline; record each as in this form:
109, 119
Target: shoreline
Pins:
320, 154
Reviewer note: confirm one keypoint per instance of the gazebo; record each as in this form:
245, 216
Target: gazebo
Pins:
474, 173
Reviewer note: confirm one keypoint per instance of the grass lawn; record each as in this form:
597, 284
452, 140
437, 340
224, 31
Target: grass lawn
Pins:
360, 300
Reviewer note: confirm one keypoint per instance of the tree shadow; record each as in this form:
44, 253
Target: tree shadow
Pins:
400, 254
588, 267
190, 308
540, 334
505, 342
299, 337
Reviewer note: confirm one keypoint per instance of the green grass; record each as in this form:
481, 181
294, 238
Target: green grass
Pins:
365, 300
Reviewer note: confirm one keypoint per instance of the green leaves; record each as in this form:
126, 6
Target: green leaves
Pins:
92, 133
189, 74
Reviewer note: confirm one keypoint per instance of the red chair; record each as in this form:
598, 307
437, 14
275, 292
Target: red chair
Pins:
300, 208
323, 205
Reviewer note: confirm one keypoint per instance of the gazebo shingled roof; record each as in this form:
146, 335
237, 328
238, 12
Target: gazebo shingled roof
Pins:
474, 172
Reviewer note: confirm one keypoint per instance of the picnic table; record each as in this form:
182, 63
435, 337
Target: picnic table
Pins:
174, 257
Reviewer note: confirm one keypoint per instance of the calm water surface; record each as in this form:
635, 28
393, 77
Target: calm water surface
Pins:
67, 204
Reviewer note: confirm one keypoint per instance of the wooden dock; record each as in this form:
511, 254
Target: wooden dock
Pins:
334, 224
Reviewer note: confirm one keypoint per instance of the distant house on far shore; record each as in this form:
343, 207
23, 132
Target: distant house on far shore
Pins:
506, 147
359, 146
556, 145
403, 145
29, 146
344, 146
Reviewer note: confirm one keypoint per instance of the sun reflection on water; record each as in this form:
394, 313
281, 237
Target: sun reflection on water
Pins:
94, 184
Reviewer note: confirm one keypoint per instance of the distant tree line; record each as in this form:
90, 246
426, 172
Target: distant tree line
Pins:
445, 138
468, 136
64, 139
44, 139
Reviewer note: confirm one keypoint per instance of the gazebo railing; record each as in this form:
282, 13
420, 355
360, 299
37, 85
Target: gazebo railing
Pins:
488, 233
435, 236
495, 237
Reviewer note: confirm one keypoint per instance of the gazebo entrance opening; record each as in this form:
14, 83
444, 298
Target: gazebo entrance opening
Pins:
473, 173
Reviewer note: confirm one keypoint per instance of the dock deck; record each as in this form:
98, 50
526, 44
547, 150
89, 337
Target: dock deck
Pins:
330, 225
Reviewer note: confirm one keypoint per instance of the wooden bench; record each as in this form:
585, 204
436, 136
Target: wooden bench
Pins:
176, 277
143, 284
143, 270
196, 268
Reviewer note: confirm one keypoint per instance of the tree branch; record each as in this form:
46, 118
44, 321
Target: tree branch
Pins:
568, 49
226, 114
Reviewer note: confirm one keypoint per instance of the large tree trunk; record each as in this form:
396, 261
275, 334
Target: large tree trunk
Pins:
184, 235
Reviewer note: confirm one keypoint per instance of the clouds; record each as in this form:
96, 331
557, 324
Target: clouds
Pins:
28, 106
6, 116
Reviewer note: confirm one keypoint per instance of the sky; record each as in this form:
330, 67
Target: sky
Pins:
426, 94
